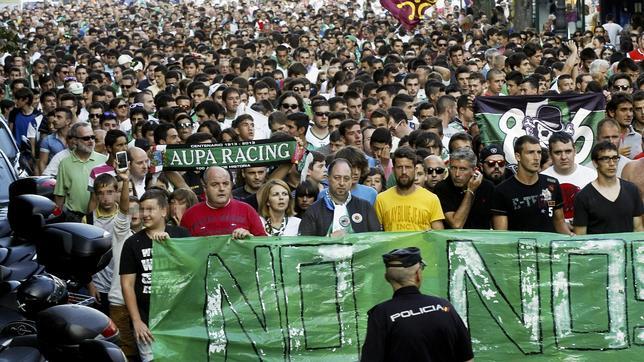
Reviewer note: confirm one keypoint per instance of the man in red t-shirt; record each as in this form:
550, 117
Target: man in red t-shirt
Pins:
220, 214
637, 54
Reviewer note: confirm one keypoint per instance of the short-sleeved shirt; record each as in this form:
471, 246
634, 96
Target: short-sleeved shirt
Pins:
51, 144
413, 212
452, 197
601, 215
528, 207
97, 171
203, 220
570, 186
71, 181
136, 258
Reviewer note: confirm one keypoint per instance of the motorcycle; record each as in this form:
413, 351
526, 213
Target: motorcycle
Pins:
41, 267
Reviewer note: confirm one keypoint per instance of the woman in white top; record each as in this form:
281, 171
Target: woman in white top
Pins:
276, 209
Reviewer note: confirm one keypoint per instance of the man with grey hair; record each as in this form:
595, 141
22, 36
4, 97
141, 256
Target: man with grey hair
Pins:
489, 60
466, 197
221, 214
412, 326
598, 70
73, 172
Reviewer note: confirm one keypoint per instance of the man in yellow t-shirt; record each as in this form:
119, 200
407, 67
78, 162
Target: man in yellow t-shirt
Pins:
408, 207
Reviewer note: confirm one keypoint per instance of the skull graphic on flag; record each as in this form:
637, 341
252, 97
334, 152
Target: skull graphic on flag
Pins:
409, 13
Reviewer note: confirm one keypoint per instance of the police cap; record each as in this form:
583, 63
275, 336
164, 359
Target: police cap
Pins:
402, 258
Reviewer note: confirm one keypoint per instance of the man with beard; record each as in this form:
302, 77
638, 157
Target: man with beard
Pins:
73, 172
493, 164
407, 207
254, 178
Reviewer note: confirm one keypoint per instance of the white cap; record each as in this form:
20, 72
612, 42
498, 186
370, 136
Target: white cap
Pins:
124, 59
75, 88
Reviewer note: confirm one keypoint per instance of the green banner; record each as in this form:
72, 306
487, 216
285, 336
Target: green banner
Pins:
502, 120
227, 155
529, 296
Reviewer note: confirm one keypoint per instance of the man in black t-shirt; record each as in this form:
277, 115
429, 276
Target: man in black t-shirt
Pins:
136, 265
493, 164
529, 201
465, 196
608, 204
412, 326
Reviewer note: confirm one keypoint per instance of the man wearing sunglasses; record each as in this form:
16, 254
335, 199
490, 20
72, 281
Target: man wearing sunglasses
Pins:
608, 204
73, 172
436, 171
412, 326
493, 165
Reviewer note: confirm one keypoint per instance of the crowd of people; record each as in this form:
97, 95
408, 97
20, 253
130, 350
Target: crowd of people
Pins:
385, 115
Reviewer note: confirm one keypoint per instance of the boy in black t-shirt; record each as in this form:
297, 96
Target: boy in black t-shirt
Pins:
529, 201
136, 265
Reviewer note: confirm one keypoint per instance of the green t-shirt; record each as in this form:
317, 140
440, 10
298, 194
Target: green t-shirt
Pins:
72, 180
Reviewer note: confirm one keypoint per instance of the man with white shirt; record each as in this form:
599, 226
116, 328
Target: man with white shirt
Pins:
571, 176
608, 129
318, 134
612, 29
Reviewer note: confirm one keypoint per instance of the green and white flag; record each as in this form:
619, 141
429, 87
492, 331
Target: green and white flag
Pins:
502, 120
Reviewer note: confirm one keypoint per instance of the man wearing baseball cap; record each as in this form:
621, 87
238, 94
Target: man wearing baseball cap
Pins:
412, 326
493, 164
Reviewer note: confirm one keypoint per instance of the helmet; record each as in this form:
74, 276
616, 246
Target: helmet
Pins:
41, 292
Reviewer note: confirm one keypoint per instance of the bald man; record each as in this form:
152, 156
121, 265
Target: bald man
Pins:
436, 171
220, 214
138, 169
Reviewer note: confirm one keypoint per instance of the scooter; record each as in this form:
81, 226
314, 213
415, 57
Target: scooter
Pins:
36, 324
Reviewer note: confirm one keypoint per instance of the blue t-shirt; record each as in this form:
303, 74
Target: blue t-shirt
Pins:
364, 192
51, 144
21, 125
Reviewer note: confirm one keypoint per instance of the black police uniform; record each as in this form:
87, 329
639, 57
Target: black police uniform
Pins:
415, 327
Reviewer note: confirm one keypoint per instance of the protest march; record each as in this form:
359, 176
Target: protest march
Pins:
343, 180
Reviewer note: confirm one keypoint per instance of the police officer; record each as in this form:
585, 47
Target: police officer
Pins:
412, 326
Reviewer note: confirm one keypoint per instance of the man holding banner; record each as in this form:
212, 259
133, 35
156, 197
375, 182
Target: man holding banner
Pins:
220, 214
608, 204
529, 201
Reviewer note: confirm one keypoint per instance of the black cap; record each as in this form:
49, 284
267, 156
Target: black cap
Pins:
402, 258
489, 151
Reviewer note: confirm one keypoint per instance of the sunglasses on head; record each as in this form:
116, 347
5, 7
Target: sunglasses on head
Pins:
437, 170
291, 106
495, 163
